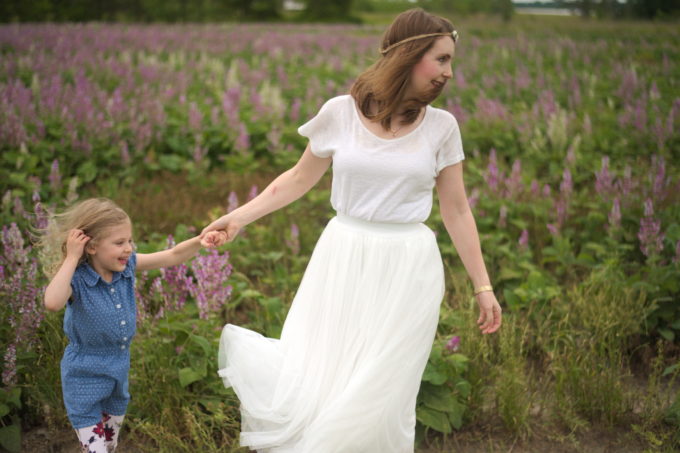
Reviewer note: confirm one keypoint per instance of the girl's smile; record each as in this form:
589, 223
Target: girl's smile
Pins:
111, 253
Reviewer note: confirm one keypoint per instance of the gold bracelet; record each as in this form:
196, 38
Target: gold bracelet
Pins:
482, 289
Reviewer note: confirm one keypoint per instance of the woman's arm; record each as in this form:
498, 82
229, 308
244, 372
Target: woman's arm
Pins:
286, 188
461, 226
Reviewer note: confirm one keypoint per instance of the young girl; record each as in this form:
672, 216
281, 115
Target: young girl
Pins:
89, 255
346, 372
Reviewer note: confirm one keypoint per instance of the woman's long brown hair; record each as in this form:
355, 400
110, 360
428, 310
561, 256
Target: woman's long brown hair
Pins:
385, 82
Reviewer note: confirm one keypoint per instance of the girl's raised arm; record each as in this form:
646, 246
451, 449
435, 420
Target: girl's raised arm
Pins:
178, 254
59, 290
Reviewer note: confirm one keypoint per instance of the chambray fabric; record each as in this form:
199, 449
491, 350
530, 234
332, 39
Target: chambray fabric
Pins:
99, 323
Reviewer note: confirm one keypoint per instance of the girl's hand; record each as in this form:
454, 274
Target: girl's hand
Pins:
226, 225
213, 239
75, 243
489, 312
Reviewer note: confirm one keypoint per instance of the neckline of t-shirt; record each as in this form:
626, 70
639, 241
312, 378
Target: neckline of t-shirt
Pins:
389, 140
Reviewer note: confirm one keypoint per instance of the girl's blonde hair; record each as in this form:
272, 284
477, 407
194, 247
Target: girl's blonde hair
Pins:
385, 82
93, 216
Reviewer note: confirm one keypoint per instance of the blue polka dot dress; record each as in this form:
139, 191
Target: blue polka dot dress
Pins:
99, 323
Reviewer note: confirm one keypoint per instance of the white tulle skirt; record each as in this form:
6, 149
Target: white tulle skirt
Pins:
345, 374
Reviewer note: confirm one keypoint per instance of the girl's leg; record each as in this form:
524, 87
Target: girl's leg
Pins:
90, 440
112, 425
102, 437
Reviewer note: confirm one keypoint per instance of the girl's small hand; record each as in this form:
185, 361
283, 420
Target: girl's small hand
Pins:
75, 243
213, 239
226, 225
489, 312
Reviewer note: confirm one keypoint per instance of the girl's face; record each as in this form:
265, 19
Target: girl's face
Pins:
111, 253
430, 75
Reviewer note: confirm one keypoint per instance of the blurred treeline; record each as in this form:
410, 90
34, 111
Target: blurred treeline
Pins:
308, 10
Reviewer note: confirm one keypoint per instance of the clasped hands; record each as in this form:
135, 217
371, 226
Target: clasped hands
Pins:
219, 232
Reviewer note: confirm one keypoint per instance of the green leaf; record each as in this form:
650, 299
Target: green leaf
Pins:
667, 334
202, 342
671, 369
441, 401
433, 419
10, 438
456, 414
4, 409
188, 376
433, 376
464, 388
87, 171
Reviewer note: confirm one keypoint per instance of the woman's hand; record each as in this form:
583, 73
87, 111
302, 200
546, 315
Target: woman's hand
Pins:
213, 239
227, 225
489, 312
75, 243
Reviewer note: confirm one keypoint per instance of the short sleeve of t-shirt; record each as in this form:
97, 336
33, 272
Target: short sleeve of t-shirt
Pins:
451, 150
322, 130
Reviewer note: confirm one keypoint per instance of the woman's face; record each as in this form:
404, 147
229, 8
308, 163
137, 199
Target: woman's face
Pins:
430, 74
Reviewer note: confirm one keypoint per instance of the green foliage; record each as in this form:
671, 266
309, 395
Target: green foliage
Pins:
10, 425
442, 400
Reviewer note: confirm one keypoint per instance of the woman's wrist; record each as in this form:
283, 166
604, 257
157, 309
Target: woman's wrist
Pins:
483, 289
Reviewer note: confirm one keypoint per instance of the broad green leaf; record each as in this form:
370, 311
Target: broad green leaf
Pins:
10, 438
442, 401
667, 334
188, 376
433, 419
456, 414
202, 342
4, 409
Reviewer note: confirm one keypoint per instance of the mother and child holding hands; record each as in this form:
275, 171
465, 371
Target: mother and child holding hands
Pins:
344, 376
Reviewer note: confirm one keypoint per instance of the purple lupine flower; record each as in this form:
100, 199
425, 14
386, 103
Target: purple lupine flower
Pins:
546, 191
19, 288
659, 183
650, 235
243, 140
615, 215
195, 117
42, 217
554, 229
293, 240
567, 185
211, 272
513, 184
253, 192
55, 176
199, 152
9, 372
124, 153
473, 199
535, 190
502, 217
627, 184
453, 344
493, 175
561, 209
604, 184
232, 201
524, 239
295, 110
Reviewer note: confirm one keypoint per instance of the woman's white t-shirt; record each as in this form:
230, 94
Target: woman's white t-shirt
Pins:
377, 179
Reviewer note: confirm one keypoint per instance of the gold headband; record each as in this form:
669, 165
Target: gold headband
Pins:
453, 35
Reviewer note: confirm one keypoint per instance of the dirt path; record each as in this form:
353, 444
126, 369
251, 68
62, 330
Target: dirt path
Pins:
593, 441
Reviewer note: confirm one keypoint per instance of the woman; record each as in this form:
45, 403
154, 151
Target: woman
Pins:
346, 372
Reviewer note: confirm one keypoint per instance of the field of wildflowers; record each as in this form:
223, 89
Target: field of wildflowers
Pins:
572, 136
